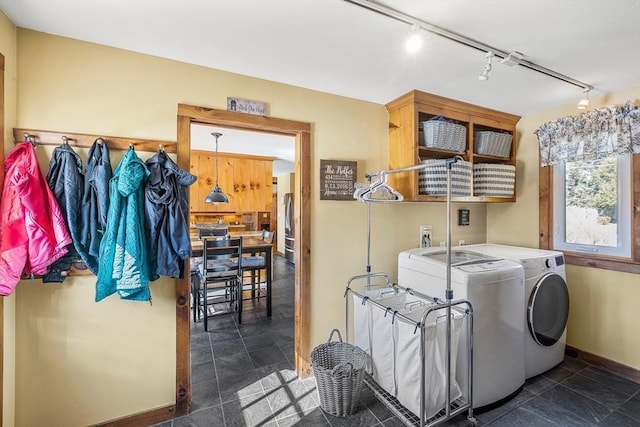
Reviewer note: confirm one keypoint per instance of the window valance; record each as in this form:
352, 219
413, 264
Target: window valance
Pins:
594, 134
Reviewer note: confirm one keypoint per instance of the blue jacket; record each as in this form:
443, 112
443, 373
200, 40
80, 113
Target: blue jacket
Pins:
167, 212
95, 202
65, 179
124, 266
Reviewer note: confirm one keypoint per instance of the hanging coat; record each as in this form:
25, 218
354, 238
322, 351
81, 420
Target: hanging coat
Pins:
65, 179
124, 266
167, 211
95, 203
33, 232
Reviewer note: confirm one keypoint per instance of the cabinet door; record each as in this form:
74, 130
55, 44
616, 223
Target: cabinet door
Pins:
202, 167
267, 188
241, 187
225, 181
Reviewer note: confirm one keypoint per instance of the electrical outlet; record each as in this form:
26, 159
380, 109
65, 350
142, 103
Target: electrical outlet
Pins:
460, 242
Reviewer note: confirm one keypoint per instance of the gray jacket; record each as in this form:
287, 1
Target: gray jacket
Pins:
65, 180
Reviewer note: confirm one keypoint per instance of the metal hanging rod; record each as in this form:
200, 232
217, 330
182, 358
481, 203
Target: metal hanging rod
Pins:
458, 38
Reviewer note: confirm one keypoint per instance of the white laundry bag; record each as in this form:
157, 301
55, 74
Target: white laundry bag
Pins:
362, 321
376, 331
408, 367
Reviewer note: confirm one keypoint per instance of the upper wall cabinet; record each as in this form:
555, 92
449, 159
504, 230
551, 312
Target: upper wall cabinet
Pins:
246, 180
425, 127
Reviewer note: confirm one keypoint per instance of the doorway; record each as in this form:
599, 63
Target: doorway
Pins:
188, 115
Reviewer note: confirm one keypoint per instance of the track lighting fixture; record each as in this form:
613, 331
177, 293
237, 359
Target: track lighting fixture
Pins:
584, 102
414, 42
487, 68
508, 58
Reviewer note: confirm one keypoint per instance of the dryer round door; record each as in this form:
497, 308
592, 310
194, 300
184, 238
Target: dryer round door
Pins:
548, 309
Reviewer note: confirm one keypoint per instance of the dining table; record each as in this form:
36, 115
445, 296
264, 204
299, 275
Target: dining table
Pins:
251, 245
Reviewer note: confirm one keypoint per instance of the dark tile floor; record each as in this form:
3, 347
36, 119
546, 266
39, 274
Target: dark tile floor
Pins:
242, 375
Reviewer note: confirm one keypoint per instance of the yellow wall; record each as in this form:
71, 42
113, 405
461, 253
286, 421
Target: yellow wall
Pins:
80, 362
8, 37
603, 308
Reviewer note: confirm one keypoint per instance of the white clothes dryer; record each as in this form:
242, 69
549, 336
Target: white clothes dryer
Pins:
546, 303
495, 288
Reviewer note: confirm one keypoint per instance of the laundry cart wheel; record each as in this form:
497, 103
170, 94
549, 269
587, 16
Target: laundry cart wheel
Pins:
472, 422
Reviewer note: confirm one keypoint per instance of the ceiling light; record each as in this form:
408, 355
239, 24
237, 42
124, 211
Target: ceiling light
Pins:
584, 102
487, 68
216, 195
414, 42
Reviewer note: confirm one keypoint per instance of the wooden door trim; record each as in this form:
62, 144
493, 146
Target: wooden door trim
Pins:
1, 183
188, 114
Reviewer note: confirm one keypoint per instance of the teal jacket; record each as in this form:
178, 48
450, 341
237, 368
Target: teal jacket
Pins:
124, 264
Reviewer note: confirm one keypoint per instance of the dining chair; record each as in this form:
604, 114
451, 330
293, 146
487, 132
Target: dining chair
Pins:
254, 268
220, 290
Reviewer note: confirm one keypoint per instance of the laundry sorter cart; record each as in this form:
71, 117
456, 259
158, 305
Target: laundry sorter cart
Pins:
412, 341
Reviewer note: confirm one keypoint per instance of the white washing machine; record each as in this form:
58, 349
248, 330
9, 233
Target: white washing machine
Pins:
495, 288
546, 303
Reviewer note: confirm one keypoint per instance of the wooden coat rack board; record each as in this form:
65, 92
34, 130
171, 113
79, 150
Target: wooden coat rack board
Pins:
45, 137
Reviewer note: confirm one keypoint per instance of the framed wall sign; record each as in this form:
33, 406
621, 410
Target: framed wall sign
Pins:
247, 106
337, 178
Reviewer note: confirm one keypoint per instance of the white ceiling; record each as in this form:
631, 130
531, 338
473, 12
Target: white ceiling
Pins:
246, 142
337, 47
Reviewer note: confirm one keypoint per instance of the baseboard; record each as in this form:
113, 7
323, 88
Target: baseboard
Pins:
609, 365
154, 416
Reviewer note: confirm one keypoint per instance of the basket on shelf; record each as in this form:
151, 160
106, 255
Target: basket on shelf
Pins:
490, 143
443, 134
432, 181
339, 370
493, 180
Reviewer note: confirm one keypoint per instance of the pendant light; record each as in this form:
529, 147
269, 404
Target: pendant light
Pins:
216, 195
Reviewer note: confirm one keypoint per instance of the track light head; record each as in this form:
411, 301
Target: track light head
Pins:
487, 68
414, 42
584, 102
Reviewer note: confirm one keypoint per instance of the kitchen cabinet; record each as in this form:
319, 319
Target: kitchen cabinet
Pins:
405, 115
245, 179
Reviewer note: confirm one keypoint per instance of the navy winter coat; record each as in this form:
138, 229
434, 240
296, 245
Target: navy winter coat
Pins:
95, 203
167, 212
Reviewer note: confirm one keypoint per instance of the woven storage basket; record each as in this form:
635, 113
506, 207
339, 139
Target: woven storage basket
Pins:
339, 370
491, 180
442, 134
492, 143
432, 181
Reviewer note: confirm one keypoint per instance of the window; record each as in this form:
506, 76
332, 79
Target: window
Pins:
579, 217
591, 200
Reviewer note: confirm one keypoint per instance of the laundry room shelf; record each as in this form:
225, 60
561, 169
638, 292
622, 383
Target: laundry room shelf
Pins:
408, 143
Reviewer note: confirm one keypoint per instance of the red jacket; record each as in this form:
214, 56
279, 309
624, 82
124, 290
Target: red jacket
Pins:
33, 233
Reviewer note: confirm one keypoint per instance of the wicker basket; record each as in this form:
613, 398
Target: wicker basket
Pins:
491, 180
490, 143
432, 181
339, 370
442, 134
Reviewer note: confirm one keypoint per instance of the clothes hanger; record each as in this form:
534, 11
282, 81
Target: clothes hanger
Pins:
381, 192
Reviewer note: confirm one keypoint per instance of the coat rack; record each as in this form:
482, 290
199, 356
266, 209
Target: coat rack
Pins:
45, 137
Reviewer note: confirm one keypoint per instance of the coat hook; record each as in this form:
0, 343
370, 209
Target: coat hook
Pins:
30, 139
162, 148
100, 140
65, 140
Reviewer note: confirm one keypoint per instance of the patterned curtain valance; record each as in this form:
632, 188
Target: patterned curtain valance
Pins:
593, 134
